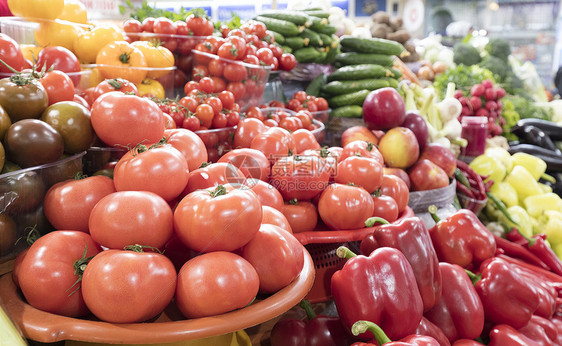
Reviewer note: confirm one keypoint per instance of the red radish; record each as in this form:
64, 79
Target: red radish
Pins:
486, 83
466, 111
491, 105
464, 101
501, 92
458, 94
477, 90
476, 103
482, 112
490, 94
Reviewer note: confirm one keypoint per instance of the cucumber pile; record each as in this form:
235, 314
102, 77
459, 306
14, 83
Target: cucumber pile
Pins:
365, 65
306, 34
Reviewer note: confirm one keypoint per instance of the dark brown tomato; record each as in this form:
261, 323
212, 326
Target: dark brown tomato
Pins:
32, 142
72, 121
65, 168
2, 156
8, 234
22, 192
33, 220
5, 122
25, 101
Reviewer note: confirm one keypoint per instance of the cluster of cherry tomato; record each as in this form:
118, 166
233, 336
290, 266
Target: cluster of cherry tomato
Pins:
301, 100
287, 119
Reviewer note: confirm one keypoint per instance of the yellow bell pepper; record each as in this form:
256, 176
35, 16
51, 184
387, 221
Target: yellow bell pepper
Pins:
501, 155
536, 205
505, 192
523, 182
533, 164
520, 215
545, 188
557, 250
550, 224
486, 165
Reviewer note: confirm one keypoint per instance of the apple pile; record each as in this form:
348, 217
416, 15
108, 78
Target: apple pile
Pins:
484, 99
402, 139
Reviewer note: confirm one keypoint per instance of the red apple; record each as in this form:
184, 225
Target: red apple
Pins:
415, 122
399, 148
355, 133
400, 173
383, 109
441, 156
425, 175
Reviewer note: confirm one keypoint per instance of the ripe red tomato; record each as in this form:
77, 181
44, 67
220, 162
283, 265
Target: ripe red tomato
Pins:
301, 215
255, 112
236, 88
276, 255
206, 85
191, 123
132, 25
205, 114
163, 25
220, 173
386, 208
275, 143
265, 56
362, 148
216, 67
126, 120
220, 218
131, 217
127, 286
300, 177
234, 72
189, 145
267, 194
321, 104
330, 156
252, 163
345, 207
148, 24
305, 140
287, 62
11, 54
275, 217
291, 124
360, 171
58, 85
215, 283
396, 188
199, 25
59, 58
115, 84
228, 50
246, 131
47, 276
160, 169
68, 204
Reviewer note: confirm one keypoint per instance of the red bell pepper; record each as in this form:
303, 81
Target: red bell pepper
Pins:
540, 330
411, 237
380, 288
504, 335
459, 313
557, 320
467, 342
462, 239
361, 327
508, 297
317, 330
427, 328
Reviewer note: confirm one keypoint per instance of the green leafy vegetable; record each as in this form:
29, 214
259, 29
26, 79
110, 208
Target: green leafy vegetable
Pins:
466, 54
526, 108
499, 48
145, 10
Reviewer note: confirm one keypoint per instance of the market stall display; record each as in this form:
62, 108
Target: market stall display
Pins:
432, 186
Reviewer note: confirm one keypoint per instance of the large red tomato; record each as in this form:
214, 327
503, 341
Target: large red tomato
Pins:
126, 120
302, 215
59, 58
161, 169
277, 256
246, 130
220, 173
11, 54
220, 218
68, 204
47, 275
362, 148
131, 217
272, 216
58, 85
345, 206
330, 156
215, 283
396, 188
300, 177
275, 143
189, 144
128, 286
252, 163
267, 194
305, 140
360, 171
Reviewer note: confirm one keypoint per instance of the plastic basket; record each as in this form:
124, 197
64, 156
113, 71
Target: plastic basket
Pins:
322, 246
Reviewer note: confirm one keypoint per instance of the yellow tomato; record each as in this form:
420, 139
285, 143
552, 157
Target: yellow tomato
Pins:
30, 51
121, 60
57, 34
88, 43
42, 9
74, 11
95, 77
151, 87
156, 56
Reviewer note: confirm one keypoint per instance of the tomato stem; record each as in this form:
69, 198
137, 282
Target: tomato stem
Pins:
218, 191
32, 235
140, 248
204, 164
293, 201
79, 268
116, 83
125, 57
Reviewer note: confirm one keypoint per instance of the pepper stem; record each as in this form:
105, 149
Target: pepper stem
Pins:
361, 327
548, 178
370, 222
473, 277
343, 252
305, 304
433, 212
501, 207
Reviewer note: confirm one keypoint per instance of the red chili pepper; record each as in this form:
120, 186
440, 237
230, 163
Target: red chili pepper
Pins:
519, 251
467, 342
362, 327
411, 237
505, 335
318, 330
426, 327
540, 330
462, 239
537, 245
547, 277
380, 288
459, 313
507, 296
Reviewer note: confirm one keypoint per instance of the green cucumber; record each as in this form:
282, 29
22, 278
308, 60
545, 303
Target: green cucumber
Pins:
329, 30
372, 45
283, 27
287, 49
296, 17
321, 59
318, 24
345, 59
349, 86
313, 38
315, 85
318, 13
397, 74
354, 98
352, 111
327, 40
307, 54
363, 71
278, 37
332, 52
295, 42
